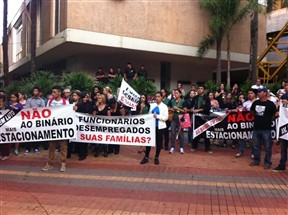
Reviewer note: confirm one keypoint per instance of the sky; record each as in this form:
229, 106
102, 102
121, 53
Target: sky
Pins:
13, 7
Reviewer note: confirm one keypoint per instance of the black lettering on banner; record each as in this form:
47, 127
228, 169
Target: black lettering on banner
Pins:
237, 126
8, 116
283, 130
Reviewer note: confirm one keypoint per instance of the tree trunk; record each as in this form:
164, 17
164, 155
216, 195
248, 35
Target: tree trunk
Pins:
228, 61
254, 46
33, 35
5, 44
218, 59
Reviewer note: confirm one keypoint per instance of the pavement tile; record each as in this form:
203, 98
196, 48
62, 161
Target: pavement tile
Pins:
195, 183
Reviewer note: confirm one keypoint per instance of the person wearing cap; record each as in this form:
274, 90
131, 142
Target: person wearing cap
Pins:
264, 112
252, 96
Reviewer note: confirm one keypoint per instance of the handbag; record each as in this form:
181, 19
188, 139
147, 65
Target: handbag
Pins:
185, 121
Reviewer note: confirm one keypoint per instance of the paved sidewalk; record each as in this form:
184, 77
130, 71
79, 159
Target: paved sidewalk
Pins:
193, 183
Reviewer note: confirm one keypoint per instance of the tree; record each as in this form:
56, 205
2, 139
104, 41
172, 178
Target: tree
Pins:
253, 42
219, 11
224, 15
5, 43
237, 13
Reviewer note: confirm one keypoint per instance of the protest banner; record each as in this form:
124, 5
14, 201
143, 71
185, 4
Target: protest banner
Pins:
138, 130
37, 124
282, 127
224, 126
128, 96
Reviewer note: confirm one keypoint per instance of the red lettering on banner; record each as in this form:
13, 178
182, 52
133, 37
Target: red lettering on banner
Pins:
240, 117
45, 113
92, 137
249, 117
126, 139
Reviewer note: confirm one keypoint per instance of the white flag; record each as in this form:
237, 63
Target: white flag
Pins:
128, 96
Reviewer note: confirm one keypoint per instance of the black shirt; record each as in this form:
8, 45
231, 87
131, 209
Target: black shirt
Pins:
264, 112
130, 73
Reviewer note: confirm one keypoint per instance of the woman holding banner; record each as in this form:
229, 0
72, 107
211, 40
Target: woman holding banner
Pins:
16, 106
116, 109
143, 108
160, 113
102, 109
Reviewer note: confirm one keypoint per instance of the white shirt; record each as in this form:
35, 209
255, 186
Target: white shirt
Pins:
57, 103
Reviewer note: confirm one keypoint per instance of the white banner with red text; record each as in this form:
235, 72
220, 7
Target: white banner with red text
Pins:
137, 130
37, 124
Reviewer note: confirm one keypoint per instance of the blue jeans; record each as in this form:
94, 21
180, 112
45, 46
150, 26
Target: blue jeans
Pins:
242, 146
283, 159
259, 137
175, 126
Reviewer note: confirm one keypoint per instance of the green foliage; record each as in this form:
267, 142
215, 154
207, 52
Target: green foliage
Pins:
114, 83
142, 86
78, 81
246, 86
211, 86
11, 88
274, 87
205, 45
45, 80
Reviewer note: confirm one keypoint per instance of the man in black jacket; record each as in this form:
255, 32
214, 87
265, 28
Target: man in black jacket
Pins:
201, 104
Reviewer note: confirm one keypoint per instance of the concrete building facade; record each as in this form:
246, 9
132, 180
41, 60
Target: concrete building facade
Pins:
163, 35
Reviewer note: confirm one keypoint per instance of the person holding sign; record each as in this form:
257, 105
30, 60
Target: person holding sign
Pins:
102, 109
284, 142
160, 113
34, 102
201, 104
16, 106
57, 100
264, 111
143, 107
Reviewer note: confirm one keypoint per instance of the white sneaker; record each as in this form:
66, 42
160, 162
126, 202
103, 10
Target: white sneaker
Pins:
47, 167
36, 151
5, 158
63, 167
172, 150
26, 152
181, 150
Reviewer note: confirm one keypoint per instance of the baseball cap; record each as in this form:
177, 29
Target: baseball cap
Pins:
264, 89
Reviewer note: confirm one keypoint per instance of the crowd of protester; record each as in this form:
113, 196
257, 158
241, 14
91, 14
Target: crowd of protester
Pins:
166, 108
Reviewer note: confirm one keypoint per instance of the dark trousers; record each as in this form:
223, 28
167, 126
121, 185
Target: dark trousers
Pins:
30, 145
5, 149
206, 141
82, 149
71, 148
283, 160
166, 134
159, 143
